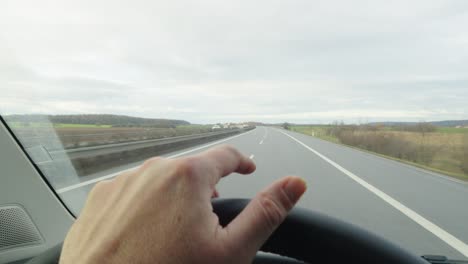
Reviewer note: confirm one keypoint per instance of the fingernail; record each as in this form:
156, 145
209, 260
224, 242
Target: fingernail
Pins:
294, 188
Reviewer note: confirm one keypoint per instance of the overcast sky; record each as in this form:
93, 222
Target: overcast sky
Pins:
214, 61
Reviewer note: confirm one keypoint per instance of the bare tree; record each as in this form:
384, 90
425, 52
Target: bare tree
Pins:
464, 160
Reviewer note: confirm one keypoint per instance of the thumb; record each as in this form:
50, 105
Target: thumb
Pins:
252, 227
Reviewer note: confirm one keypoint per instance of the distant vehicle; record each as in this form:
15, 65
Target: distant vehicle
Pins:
215, 127
241, 126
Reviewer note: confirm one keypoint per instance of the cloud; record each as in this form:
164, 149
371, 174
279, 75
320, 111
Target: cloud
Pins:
210, 61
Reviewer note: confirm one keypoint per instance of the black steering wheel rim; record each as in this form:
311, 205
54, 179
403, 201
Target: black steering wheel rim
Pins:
307, 236
317, 238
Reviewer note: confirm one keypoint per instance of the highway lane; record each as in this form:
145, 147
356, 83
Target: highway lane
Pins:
434, 197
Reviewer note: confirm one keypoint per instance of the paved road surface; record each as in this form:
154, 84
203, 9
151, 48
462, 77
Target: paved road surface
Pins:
419, 210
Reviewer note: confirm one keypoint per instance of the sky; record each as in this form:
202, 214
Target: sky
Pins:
232, 61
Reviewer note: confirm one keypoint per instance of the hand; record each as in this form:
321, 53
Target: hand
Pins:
161, 213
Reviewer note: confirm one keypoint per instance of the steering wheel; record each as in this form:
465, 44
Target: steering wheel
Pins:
304, 236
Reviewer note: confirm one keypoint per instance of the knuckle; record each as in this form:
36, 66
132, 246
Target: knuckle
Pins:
219, 252
151, 162
231, 149
227, 146
273, 212
285, 200
121, 178
185, 167
100, 187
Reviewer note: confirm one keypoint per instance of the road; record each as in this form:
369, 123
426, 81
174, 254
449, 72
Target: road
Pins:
420, 210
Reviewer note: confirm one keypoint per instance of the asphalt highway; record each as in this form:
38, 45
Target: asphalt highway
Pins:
419, 210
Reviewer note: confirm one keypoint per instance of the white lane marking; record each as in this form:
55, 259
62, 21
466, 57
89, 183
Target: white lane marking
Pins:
428, 225
81, 184
252, 156
264, 136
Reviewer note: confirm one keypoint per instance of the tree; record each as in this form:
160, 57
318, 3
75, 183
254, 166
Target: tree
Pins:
464, 160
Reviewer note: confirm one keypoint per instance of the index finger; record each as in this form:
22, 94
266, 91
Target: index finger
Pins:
223, 160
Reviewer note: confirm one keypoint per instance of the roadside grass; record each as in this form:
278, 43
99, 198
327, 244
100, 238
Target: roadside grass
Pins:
446, 147
459, 176
315, 131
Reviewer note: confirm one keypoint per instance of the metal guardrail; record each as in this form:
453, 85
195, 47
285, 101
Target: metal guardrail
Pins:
88, 160
132, 145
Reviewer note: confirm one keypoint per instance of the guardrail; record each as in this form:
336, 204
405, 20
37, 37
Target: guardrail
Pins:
88, 160
127, 146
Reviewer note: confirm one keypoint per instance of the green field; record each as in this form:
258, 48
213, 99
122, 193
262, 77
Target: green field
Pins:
27, 125
189, 128
60, 125
452, 130
56, 125
181, 127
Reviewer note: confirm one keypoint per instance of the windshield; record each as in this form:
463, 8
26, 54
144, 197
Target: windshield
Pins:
367, 100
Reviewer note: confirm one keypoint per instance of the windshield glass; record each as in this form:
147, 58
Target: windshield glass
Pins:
367, 100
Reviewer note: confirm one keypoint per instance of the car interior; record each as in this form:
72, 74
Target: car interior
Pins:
34, 222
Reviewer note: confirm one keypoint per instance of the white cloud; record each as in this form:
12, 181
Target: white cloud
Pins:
209, 61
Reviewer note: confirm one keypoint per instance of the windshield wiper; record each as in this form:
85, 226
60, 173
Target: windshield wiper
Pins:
437, 259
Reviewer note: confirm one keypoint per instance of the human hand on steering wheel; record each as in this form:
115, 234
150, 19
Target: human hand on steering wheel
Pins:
162, 213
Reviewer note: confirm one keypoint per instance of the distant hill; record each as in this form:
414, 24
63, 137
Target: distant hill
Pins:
98, 119
451, 123
254, 123
444, 123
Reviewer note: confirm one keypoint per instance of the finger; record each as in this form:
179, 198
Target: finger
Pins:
223, 160
252, 227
